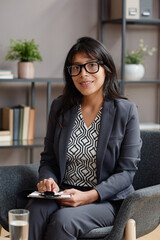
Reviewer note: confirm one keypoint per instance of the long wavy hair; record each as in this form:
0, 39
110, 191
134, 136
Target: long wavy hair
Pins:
93, 49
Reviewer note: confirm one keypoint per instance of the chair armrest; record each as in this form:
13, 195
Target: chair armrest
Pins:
143, 206
130, 230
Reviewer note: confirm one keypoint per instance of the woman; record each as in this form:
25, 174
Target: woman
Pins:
91, 151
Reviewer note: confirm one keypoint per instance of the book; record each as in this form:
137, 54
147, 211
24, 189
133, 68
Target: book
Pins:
0, 118
31, 126
21, 122
25, 122
4, 132
149, 126
6, 137
6, 143
7, 120
5, 72
6, 76
16, 122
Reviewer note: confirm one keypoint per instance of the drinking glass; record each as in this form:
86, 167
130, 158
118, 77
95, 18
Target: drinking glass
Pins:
18, 224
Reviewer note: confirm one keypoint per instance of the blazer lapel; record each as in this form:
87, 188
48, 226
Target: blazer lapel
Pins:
69, 119
108, 115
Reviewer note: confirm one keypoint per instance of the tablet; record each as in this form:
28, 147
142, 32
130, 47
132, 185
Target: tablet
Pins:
48, 195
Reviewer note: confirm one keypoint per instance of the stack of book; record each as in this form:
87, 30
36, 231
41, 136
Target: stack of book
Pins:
6, 74
17, 123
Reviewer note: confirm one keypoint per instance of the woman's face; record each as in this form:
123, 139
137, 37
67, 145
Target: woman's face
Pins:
88, 83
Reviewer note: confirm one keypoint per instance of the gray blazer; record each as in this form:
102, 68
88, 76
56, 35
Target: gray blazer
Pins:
118, 150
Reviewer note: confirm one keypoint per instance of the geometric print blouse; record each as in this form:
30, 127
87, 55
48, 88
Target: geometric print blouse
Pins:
81, 152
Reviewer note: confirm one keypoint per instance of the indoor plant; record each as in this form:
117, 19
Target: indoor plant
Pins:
134, 69
26, 52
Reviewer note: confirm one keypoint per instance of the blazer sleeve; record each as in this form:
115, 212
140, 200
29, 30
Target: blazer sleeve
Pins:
119, 184
48, 164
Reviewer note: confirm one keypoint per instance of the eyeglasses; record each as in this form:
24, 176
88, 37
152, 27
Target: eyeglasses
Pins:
90, 67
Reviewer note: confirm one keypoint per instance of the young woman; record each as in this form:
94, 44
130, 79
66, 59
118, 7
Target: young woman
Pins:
91, 151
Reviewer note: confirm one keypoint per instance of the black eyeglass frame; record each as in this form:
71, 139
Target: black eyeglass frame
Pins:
84, 65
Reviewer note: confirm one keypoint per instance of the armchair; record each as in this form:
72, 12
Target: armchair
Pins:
143, 205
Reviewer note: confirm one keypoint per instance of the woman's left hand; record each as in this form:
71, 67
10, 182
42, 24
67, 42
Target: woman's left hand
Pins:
78, 197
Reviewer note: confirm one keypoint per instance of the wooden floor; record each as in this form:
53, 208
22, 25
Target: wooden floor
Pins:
155, 235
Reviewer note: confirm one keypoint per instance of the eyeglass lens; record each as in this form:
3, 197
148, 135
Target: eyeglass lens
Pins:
90, 67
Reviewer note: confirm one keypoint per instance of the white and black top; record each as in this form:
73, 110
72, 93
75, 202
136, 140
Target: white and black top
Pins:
81, 153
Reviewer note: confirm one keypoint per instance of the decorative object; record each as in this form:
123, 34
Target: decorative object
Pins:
134, 72
134, 69
26, 52
25, 70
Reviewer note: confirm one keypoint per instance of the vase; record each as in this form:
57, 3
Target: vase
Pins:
134, 72
26, 70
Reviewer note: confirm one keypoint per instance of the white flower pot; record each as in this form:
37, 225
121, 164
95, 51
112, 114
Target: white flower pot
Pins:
26, 70
134, 72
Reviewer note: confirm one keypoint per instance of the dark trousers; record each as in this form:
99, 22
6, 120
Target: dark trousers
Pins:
49, 221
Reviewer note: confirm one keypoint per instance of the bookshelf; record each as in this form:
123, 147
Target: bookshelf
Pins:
123, 22
37, 142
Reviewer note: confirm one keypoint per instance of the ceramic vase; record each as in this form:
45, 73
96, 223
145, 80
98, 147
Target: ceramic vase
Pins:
26, 70
134, 72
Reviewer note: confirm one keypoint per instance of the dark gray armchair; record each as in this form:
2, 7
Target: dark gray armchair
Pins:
143, 205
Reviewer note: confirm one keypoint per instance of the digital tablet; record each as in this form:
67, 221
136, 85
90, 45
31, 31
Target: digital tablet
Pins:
48, 195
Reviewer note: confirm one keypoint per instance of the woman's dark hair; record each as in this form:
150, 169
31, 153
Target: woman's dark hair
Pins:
93, 49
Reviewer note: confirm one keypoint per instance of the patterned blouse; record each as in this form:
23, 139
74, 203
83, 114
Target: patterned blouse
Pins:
81, 152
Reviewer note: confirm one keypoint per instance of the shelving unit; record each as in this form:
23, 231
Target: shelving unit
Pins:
48, 81
134, 21
123, 22
37, 142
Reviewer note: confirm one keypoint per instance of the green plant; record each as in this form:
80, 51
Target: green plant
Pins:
24, 51
137, 56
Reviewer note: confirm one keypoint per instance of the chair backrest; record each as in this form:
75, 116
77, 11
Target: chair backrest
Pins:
148, 173
14, 179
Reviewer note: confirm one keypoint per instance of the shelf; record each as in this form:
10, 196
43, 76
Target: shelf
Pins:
143, 82
33, 81
45, 80
140, 82
37, 142
133, 21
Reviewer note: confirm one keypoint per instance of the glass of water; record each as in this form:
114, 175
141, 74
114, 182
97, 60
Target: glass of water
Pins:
18, 224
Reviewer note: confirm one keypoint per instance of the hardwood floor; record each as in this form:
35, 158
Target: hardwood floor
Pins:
155, 235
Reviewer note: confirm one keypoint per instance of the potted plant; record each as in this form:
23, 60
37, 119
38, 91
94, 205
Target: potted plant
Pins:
134, 69
26, 52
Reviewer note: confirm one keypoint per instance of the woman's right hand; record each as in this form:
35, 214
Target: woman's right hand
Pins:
47, 185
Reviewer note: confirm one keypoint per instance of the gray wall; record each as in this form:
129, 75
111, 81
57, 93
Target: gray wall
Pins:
55, 25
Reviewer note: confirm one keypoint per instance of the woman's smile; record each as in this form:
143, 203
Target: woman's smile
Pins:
86, 83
